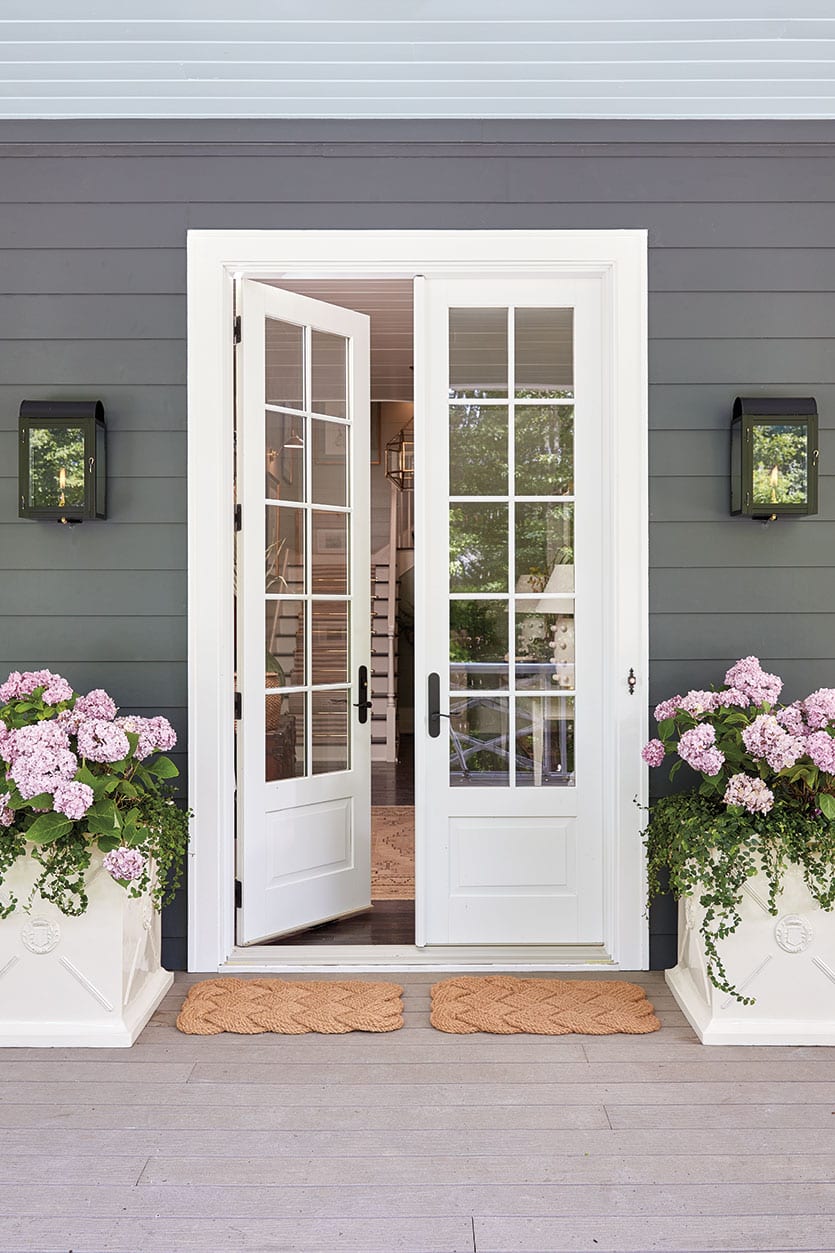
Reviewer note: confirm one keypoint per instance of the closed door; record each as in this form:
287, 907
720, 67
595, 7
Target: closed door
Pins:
510, 769
303, 613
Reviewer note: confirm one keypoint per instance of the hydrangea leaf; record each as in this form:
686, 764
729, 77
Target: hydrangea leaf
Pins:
47, 828
163, 768
826, 804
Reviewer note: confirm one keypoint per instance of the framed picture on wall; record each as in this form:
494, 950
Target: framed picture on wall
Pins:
331, 540
329, 443
376, 422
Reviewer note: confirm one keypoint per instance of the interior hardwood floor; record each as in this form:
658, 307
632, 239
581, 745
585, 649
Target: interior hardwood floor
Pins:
393, 782
386, 922
417, 1141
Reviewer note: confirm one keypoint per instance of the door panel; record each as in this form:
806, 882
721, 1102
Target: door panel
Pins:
303, 612
509, 436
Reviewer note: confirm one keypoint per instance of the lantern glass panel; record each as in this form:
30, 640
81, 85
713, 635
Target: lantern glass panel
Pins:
780, 463
56, 467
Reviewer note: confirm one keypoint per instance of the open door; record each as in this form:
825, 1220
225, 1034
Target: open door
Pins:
303, 613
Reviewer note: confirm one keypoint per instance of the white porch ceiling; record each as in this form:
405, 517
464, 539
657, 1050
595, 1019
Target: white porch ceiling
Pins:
426, 59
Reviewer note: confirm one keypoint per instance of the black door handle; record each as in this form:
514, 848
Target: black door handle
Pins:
363, 704
433, 706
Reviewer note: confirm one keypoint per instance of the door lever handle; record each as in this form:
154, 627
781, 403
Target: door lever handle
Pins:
363, 704
433, 706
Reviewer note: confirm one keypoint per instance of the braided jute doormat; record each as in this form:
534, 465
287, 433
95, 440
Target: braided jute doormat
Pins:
290, 1007
504, 1005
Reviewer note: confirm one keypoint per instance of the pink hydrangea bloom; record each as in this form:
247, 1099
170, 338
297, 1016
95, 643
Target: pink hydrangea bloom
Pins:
766, 739
792, 719
73, 799
124, 863
6, 814
698, 702
155, 734
820, 746
42, 771
96, 705
698, 748
102, 741
9, 689
20, 684
6, 741
820, 708
751, 793
37, 737
653, 753
732, 698
58, 691
667, 709
748, 676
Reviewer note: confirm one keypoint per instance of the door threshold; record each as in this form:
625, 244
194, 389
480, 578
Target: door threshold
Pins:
453, 957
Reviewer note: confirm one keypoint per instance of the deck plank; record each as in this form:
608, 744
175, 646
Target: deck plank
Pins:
417, 1141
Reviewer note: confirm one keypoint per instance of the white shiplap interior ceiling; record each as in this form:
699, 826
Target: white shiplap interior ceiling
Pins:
388, 303
421, 59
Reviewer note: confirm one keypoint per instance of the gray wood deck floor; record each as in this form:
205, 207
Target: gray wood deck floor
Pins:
417, 1141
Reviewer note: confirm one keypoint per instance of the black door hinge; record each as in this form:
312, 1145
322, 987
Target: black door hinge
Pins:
239, 894
238, 513
236, 330
239, 713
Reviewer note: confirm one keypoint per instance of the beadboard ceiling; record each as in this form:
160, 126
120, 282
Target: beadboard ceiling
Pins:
388, 303
425, 59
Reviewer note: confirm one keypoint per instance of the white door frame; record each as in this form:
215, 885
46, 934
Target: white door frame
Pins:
215, 258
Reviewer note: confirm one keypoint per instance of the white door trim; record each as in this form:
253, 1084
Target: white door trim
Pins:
215, 258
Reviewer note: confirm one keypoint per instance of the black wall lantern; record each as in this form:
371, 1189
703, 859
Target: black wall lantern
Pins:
62, 470
774, 457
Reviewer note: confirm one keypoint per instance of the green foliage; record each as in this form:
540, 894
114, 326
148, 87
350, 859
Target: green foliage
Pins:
132, 809
780, 464
708, 851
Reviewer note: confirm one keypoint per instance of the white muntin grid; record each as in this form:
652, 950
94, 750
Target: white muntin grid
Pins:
306, 508
512, 598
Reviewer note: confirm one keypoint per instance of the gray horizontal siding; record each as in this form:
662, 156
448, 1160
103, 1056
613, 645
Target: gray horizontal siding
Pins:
93, 219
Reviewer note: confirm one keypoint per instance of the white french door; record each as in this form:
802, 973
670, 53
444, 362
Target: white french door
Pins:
303, 613
514, 569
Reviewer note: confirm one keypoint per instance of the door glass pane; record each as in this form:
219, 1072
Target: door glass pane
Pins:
478, 541
545, 741
330, 641
330, 553
525, 646
329, 354
284, 643
284, 456
478, 352
544, 450
330, 731
330, 463
284, 551
544, 644
479, 741
544, 353
478, 450
284, 739
478, 644
544, 548
284, 364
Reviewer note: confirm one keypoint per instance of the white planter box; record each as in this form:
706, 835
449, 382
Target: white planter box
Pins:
92, 981
786, 962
